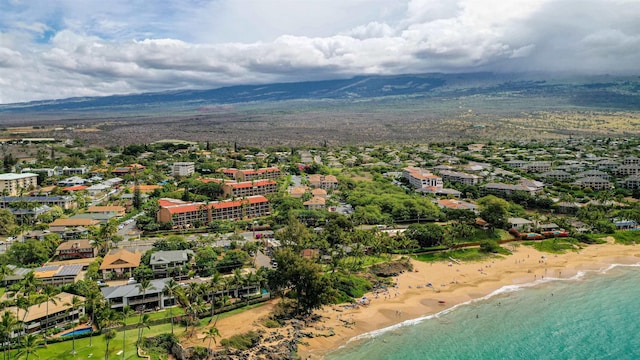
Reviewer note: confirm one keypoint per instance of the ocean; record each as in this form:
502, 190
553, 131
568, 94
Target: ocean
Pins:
593, 315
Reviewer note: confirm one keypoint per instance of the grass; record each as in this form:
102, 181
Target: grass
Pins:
471, 254
624, 237
177, 311
555, 245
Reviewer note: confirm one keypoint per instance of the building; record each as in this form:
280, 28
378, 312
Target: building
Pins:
420, 178
44, 316
165, 263
520, 224
131, 295
557, 175
110, 210
74, 171
75, 249
628, 170
457, 205
57, 275
502, 189
249, 188
632, 182
538, 166
64, 202
186, 214
12, 184
315, 203
297, 191
595, 183
119, 264
460, 177
183, 168
325, 182
272, 173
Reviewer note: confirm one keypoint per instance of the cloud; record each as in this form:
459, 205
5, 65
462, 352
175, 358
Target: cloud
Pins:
77, 48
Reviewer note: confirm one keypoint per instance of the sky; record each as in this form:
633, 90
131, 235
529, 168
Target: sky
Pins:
51, 49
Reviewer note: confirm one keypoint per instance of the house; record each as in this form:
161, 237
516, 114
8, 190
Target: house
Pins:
41, 317
131, 295
119, 263
457, 204
72, 181
72, 222
319, 193
519, 224
64, 202
594, 182
74, 171
163, 263
57, 275
75, 249
297, 191
110, 210
13, 184
460, 177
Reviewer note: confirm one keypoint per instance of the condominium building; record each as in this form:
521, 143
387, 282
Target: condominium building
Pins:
420, 178
185, 168
249, 188
251, 174
460, 177
11, 183
325, 182
65, 202
185, 214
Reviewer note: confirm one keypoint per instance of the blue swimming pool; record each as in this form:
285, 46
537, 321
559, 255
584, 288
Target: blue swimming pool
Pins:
77, 332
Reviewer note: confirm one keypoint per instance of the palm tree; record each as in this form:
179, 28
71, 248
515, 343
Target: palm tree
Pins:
8, 323
143, 286
126, 312
170, 289
144, 323
75, 303
214, 284
29, 345
4, 272
49, 295
211, 335
92, 302
109, 335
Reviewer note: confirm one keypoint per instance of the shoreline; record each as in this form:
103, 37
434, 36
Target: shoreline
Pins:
454, 285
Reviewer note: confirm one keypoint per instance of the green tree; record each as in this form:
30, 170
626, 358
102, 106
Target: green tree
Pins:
8, 324
7, 222
29, 345
49, 294
494, 210
427, 235
109, 334
211, 334
170, 289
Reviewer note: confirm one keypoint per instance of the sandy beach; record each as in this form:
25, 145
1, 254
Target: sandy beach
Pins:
453, 283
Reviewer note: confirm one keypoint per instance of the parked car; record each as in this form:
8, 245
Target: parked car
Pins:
131, 281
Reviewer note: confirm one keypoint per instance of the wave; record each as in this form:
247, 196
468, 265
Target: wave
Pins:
503, 290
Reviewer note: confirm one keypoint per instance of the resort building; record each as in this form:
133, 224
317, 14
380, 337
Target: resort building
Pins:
250, 174
632, 182
537, 167
557, 175
131, 295
12, 184
186, 214
113, 210
249, 188
460, 177
75, 249
119, 264
74, 171
165, 263
315, 203
420, 178
325, 182
64, 202
628, 170
41, 317
595, 183
185, 168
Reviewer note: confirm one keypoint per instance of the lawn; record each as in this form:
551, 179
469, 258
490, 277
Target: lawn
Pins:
470, 254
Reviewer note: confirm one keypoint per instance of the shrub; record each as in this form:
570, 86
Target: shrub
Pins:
490, 246
242, 341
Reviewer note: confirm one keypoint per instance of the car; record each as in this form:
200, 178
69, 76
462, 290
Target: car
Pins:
101, 283
10, 238
131, 281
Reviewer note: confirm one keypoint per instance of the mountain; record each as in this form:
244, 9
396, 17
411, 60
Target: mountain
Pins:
601, 91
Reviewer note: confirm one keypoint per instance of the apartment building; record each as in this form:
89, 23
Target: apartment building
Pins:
251, 174
185, 214
64, 202
12, 184
183, 168
75, 249
249, 188
460, 177
130, 295
41, 317
420, 178
324, 182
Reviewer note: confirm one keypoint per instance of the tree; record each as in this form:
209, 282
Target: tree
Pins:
310, 288
109, 335
29, 345
170, 289
427, 235
494, 210
211, 334
49, 294
8, 323
75, 304
143, 286
126, 312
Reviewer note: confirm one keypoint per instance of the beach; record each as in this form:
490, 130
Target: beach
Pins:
429, 289
454, 283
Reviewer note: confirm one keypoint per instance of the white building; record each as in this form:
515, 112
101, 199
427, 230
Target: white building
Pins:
183, 168
12, 183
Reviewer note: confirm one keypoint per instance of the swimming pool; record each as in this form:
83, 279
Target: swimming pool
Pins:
77, 332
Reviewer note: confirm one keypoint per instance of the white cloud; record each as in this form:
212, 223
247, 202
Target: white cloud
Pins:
90, 47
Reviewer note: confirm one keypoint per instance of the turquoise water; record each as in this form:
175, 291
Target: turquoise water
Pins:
594, 315
77, 332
